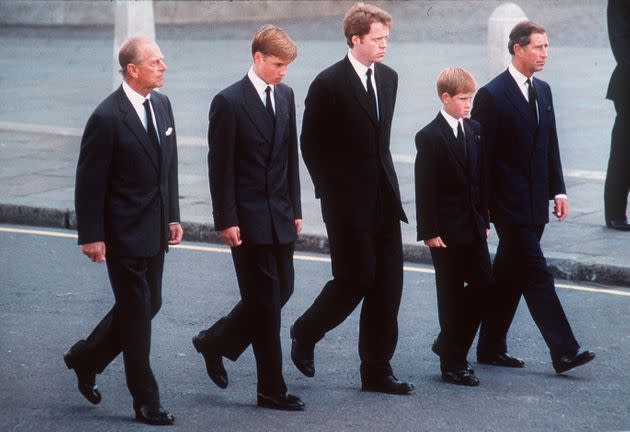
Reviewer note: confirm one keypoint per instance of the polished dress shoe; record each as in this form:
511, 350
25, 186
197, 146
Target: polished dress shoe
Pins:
86, 380
567, 362
214, 364
618, 224
302, 355
282, 401
435, 347
460, 377
153, 414
502, 359
387, 384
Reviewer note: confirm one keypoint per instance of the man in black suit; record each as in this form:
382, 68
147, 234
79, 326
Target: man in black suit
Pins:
255, 188
452, 211
618, 175
516, 113
127, 209
345, 145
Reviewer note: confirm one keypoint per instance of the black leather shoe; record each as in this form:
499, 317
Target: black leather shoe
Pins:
283, 402
153, 414
86, 380
302, 355
387, 384
618, 224
503, 359
435, 347
460, 377
214, 364
567, 362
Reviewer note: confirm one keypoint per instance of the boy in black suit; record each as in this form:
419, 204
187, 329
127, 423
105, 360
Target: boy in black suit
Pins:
452, 212
255, 189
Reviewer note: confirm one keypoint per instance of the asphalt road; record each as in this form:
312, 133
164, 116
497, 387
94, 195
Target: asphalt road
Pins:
50, 295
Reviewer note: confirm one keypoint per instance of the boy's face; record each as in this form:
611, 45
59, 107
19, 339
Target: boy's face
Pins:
269, 68
459, 105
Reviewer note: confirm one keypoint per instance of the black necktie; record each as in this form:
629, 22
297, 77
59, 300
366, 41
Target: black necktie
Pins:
531, 95
268, 103
461, 139
150, 127
370, 93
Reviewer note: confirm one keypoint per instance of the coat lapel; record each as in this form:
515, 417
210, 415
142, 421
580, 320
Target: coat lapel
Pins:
164, 122
133, 123
472, 148
516, 98
282, 118
359, 91
256, 110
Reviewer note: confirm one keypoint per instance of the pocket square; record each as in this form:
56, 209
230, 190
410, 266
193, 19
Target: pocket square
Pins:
169, 131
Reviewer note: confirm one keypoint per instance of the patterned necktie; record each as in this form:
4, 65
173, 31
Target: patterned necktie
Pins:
150, 127
370, 93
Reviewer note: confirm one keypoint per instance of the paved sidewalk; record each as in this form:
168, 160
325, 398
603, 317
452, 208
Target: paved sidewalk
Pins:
37, 188
51, 79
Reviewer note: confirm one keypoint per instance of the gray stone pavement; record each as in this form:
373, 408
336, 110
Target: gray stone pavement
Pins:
52, 78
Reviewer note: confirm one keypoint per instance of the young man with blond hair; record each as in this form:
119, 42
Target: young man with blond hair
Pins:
255, 190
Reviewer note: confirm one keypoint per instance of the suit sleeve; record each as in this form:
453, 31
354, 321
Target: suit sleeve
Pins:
92, 178
294, 163
556, 179
222, 162
315, 124
173, 181
427, 184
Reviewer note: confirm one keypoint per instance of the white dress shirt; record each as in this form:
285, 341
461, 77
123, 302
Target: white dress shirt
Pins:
260, 87
452, 121
137, 101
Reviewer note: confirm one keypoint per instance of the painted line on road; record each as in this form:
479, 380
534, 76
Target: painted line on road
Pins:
301, 257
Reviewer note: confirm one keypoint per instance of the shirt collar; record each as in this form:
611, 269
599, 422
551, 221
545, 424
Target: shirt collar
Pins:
134, 97
359, 67
518, 76
452, 121
258, 82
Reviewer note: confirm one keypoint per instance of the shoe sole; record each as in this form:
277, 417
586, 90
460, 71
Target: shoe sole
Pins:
582, 362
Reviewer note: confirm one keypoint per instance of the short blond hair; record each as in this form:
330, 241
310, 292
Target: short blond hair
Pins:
455, 80
359, 19
272, 40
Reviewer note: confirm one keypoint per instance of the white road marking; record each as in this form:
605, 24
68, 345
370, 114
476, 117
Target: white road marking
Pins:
301, 257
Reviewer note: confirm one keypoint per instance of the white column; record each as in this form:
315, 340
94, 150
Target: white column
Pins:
130, 18
502, 20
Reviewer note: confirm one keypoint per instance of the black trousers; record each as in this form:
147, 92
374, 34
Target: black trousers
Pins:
265, 278
366, 265
617, 183
463, 277
520, 268
137, 287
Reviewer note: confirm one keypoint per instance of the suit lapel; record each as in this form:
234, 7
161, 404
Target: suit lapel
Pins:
282, 116
449, 137
133, 123
359, 91
516, 98
472, 147
163, 122
256, 110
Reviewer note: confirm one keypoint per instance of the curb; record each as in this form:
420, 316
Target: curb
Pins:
563, 267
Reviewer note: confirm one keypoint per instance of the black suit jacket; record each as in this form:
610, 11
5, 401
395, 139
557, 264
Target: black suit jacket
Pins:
126, 189
524, 159
344, 146
451, 188
253, 171
619, 35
